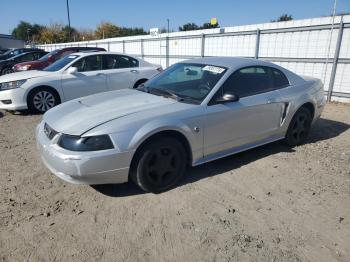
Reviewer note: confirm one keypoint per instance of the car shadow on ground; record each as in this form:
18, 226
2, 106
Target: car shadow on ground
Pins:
322, 130
1, 114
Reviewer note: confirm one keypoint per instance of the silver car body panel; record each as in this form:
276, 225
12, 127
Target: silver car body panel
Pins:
130, 117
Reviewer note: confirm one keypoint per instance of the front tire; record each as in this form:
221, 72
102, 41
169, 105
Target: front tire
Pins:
42, 99
299, 127
7, 71
139, 83
159, 164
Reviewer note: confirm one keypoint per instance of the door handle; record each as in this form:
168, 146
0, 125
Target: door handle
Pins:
100, 74
134, 71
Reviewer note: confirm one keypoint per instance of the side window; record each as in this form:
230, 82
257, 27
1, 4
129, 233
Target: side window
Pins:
89, 63
279, 79
110, 62
38, 55
119, 61
249, 81
25, 58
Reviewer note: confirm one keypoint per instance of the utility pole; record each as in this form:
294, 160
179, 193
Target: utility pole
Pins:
168, 21
69, 30
28, 31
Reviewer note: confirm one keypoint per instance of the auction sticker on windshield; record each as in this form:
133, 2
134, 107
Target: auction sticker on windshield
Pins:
214, 69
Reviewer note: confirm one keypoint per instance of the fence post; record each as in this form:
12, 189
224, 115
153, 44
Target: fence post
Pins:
257, 43
202, 45
167, 51
335, 60
123, 46
142, 50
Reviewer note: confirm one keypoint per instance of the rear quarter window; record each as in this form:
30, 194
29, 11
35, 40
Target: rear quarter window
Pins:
279, 79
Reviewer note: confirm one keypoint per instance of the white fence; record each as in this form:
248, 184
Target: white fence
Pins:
317, 47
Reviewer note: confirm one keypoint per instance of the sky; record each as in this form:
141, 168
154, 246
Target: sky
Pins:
86, 14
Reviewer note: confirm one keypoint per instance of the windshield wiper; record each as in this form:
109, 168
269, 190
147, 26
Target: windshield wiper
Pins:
166, 93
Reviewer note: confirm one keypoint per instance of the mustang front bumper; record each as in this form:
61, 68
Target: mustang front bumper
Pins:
97, 167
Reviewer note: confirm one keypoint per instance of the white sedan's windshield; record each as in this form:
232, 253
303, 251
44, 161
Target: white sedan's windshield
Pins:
186, 81
59, 64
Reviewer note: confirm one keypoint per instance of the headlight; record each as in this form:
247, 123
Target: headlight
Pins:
92, 143
23, 68
12, 84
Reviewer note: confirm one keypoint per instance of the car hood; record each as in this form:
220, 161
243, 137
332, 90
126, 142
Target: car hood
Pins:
78, 116
23, 75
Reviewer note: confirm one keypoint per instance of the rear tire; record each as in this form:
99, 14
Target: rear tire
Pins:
159, 164
42, 99
299, 127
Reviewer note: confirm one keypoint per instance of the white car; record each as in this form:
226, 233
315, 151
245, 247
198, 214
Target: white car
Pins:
74, 76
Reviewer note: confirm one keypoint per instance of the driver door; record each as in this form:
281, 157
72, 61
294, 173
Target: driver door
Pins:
253, 119
90, 78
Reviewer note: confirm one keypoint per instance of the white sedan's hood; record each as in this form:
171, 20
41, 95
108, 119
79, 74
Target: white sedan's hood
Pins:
23, 75
81, 115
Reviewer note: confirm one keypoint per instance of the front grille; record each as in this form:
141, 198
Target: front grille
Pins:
50, 133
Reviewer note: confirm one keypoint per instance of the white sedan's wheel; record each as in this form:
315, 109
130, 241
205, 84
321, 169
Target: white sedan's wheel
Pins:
42, 100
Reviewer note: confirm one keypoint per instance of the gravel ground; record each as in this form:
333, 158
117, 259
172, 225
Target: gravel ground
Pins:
272, 203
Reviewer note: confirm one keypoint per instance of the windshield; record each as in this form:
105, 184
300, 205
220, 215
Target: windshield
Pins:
59, 64
45, 57
185, 82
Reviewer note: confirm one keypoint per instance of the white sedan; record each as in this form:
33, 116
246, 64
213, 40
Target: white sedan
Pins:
74, 76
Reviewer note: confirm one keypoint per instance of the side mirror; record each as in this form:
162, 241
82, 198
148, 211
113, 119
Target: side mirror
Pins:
228, 97
72, 70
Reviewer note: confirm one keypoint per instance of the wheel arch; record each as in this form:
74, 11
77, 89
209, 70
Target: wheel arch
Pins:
309, 106
139, 81
43, 86
4, 68
165, 133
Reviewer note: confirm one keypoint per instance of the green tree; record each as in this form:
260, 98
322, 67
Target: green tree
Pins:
27, 31
107, 30
209, 25
193, 26
189, 27
283, 18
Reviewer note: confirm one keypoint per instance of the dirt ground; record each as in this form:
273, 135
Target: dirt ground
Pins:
268, 204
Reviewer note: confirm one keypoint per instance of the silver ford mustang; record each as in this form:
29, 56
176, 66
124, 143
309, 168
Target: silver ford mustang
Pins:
194, 112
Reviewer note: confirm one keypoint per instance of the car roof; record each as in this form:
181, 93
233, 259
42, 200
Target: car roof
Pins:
29, 52
86, 53
81, 48
229, 62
